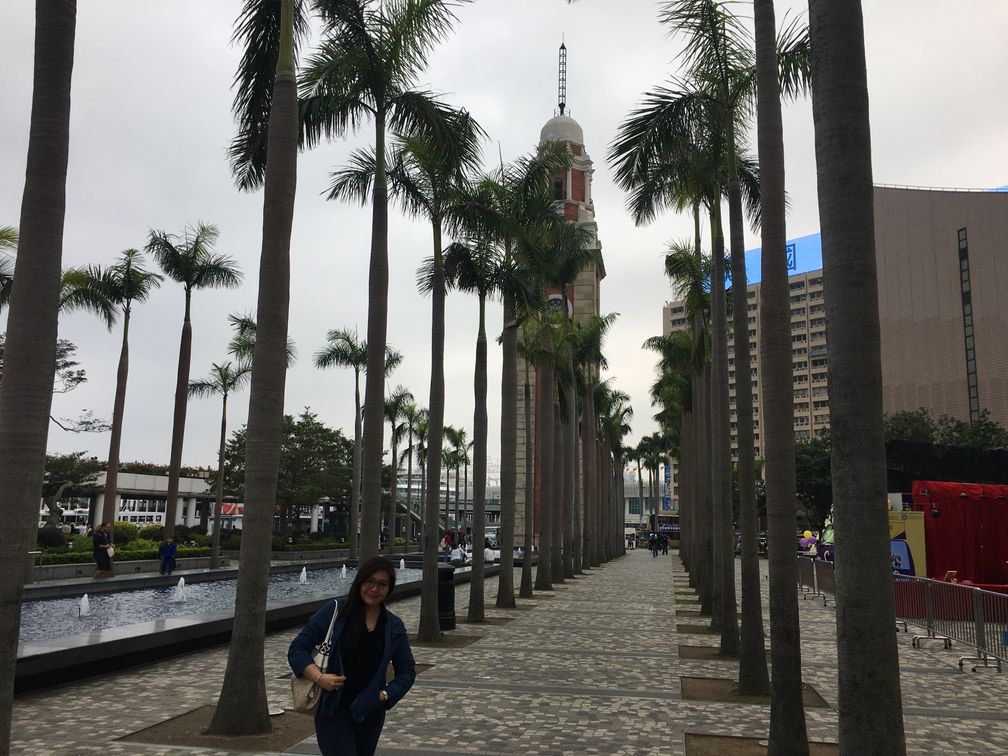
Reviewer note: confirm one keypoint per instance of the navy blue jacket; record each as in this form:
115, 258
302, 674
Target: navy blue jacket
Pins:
397, 650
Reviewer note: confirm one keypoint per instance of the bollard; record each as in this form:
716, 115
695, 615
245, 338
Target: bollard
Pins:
446, 596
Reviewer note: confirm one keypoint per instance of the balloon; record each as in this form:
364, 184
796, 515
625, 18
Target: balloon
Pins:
804, 543
813, 540
807, 534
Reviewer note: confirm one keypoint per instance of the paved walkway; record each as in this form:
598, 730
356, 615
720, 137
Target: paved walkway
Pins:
592, 667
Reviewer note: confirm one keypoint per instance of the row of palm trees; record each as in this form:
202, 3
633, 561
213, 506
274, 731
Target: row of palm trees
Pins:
366, 67
684, 149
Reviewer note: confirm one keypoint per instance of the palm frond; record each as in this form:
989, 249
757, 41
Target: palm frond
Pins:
353, 182
257, 31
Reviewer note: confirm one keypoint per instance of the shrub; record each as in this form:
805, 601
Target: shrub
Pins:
196, 530
81, 543
121, 555
182, 532
123, 532
51, 537
151, 533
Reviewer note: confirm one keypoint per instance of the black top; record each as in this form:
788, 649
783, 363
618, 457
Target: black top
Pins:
100, 539
362, 651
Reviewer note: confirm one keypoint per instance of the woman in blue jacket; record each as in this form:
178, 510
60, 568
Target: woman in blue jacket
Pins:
366, 637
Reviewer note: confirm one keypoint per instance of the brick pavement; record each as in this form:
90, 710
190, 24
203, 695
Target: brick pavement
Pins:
592, 667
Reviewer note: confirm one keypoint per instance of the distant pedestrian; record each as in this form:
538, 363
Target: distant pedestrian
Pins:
653, 545
457, 557
168, 550
366, 636
664, 543
102, 540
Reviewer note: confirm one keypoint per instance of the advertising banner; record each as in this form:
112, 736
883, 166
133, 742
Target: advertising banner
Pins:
906, 543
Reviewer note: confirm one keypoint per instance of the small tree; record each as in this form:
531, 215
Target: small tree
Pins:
64, 474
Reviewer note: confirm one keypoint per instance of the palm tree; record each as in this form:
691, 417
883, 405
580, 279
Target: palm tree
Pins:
395, 415
129, 283
589, 361
26, 394
425, 177
868, 662
246, 711
413, 416
344, 349
457, 440
190, 260
367, 65
475, 269
222, 381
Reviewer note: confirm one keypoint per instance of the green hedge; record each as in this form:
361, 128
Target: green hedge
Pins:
121, 555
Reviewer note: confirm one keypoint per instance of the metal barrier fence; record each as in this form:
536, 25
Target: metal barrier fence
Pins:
946, 611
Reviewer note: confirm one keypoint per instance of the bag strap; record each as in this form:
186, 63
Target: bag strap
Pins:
328, 637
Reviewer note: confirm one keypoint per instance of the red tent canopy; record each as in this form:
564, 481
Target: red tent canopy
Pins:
967, 530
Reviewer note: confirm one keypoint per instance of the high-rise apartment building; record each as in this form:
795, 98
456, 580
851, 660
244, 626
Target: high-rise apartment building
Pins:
942, 269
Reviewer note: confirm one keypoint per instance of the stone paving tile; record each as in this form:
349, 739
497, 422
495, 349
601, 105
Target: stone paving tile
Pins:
591, 669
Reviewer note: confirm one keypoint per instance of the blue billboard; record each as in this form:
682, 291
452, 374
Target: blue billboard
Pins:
804, 254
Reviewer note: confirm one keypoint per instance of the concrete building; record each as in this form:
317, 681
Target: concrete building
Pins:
942, 259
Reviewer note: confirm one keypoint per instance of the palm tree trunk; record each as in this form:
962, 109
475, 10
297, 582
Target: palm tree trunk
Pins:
544, 428
179, 418
788, 733
591, 473
111, 494
787, 723
753, 678
394, 497
724, 533
509, 453
409, 491
30, 351
556, 545
245, 711
218, 513
578, 485
429, 627
569, 476
374, 380
356, 473
867, 655
476, 608
525, 589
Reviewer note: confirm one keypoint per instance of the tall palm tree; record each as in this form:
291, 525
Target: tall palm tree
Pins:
190, 260
413, 416
367, 66
426, 175
786, 711
457, 438
26, 394
270, 70
475, 268
129, 282
344, 349
395, 408
865, 609
590, 360
222, 381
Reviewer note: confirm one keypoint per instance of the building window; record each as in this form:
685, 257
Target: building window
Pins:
967, 310
634, 506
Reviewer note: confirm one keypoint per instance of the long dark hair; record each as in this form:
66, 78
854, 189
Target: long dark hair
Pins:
353, 606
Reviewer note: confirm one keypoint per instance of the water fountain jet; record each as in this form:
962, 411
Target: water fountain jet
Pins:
303, 579
85, 606
179, 596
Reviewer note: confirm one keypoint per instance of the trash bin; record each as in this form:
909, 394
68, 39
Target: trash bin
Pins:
446, 596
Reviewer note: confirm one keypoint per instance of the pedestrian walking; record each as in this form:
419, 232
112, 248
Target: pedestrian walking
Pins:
103, 551
664, 544
366, 636
653, 545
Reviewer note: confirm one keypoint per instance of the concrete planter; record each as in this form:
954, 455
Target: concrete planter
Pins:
68, 571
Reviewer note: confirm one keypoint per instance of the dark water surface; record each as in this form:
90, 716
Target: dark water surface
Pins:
54, 618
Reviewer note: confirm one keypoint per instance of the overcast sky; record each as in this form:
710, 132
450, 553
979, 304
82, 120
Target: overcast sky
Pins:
151, 122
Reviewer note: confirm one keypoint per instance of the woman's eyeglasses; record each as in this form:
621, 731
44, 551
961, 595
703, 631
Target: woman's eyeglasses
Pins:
381, 585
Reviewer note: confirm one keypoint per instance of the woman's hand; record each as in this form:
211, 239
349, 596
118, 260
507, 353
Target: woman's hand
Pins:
331, 682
